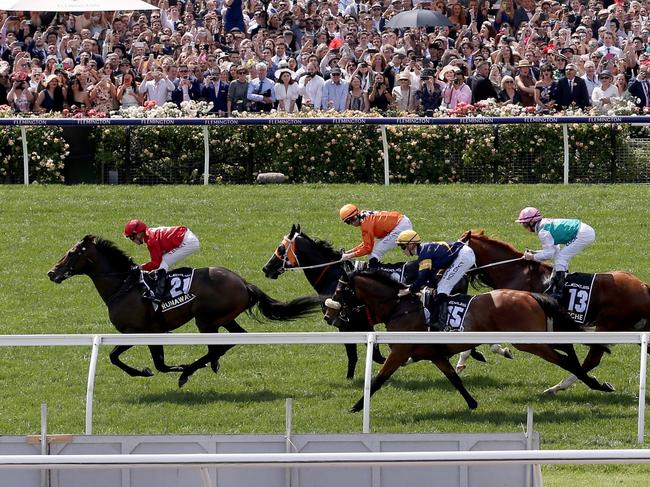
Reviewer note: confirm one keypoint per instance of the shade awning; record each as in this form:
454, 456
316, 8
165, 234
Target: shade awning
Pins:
74, 5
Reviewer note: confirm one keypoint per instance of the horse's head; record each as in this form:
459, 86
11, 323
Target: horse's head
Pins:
284, 256
74, 261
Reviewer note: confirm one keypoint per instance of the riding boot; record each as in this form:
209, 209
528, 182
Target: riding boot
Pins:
558, 285
441, 303
161, 281
373, 263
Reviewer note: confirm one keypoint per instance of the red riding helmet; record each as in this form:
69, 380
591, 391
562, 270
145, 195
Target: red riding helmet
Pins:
133, 227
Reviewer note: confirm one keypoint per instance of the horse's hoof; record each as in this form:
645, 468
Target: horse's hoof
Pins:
607, 387
215, 366
147, 372
182, 380
508, 354
460, 368
349, 376
356, 408
472, 404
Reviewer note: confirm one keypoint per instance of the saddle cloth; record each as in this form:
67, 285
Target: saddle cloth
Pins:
576, 295
450, 319
177, 287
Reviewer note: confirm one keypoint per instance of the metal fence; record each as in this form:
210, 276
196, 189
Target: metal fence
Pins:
215, 150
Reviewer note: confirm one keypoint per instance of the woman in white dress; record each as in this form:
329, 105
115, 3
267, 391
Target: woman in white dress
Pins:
603, 95
286, 91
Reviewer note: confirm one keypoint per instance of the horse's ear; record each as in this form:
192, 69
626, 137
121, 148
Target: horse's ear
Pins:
466, 236
293, 231
298, 228
89, 239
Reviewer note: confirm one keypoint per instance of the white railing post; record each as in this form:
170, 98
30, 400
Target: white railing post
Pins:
45, 473
642, 388
23, 136
565, 137
90, 389
384, 140
206, 154
367, 380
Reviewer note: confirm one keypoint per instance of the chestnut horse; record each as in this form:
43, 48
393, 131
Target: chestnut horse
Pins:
619, 301
500, 310
220, 296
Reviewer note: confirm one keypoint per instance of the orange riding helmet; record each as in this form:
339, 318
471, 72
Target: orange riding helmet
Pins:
348, 211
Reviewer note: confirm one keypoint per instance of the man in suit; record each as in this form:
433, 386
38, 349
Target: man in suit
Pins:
572, 89
640, 87
482, 87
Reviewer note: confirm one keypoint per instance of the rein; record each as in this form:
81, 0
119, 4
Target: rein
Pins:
493, 264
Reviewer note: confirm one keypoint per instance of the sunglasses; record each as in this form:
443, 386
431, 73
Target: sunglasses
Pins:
348, 221
402, 245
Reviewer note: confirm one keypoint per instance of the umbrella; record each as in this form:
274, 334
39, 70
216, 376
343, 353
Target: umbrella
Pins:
418, 18
74, 5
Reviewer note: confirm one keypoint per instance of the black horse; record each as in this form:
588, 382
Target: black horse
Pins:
220, 296
298, 250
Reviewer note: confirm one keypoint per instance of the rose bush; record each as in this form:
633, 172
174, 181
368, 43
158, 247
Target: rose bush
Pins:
506, 153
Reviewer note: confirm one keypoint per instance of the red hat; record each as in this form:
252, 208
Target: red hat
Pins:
133, 227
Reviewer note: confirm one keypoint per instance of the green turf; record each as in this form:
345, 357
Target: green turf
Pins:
239, 227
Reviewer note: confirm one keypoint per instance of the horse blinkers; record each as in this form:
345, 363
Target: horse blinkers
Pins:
66, 267
283, 258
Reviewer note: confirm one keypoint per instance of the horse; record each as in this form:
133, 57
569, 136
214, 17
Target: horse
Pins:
220, 296
298, 250
499, 310
619, 300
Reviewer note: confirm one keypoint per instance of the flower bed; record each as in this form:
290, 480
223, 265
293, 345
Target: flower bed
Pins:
313, 153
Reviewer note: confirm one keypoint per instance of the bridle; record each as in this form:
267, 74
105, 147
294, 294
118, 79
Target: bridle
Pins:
290, 261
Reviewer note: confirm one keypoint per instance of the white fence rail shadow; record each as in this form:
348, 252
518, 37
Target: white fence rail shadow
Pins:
95, 341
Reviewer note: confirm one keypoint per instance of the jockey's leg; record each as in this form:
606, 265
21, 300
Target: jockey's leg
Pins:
388, 242
188, 246
454, 273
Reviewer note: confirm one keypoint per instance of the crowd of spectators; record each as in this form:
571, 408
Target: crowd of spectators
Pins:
297, 55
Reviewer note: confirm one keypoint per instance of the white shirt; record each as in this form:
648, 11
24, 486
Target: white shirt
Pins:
157, 90
286, 95
312, 92
599, 94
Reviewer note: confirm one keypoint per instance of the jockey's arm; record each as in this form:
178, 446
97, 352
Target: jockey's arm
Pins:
548, 247
425, 273
156, 255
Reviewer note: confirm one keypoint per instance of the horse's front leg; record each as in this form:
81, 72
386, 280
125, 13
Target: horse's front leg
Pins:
353, 358
115, 360
158, 356
398, 355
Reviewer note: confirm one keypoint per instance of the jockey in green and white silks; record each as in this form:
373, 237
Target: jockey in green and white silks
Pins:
561, 239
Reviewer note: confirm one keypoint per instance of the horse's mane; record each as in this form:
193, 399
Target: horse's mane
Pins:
116, 256
480, 235
325, 247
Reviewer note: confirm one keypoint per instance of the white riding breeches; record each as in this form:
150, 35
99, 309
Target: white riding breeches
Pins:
390, 241
455, 272
188, 246
585, 236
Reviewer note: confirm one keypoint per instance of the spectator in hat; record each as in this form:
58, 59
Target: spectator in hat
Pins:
52, 98
20, 97
286, 91
335, 92
430, 92
604, 94
482, 88
525, 83
572, 90
404, 94
457, 92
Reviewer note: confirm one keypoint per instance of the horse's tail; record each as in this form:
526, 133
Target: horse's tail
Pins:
273, 309
562, 320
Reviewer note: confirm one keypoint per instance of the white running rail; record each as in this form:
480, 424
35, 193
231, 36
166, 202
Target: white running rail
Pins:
95, 341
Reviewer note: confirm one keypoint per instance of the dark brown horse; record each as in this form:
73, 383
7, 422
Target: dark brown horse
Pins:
619, 300
220, 296
500, 310
298, 250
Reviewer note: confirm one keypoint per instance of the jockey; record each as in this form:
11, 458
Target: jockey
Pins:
166, 245
456, 257
552, 232
382, 225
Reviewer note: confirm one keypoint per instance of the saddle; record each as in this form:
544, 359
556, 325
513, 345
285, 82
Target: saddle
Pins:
576, 295
176, 290
447, 315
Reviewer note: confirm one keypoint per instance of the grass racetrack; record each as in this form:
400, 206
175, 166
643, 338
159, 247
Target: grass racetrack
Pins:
239, 227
